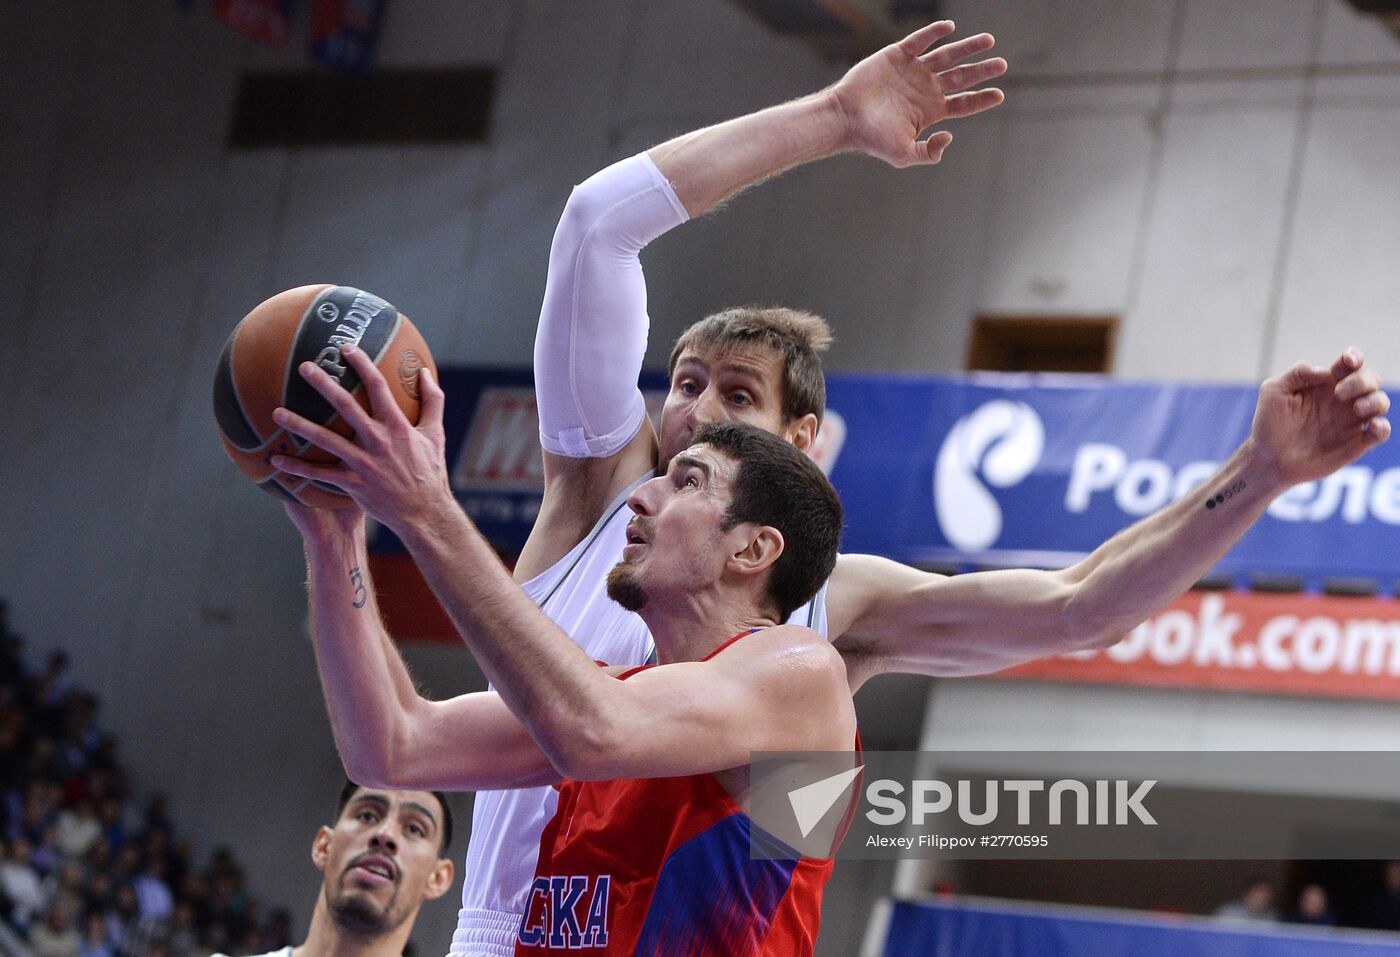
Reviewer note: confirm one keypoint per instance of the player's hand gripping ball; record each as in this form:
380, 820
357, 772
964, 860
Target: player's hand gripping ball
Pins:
258, 372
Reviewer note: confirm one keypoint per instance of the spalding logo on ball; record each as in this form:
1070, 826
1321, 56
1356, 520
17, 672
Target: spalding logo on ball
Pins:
258, 372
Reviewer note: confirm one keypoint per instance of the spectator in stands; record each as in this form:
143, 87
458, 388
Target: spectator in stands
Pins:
46, 857
122, 917
109, 815
99, 893
184, 935
69, 887
95, 942
250, 940
55, 682
77, 829
56, 936
217, 938
1312, 908
12, 670
153, 895
1256, 902
105, 757
80, 736
21, 884
1383, 909
382, 859
194, 890
156, 817
180, 863
128, 863
6, 905
33, 812
278, 933
227, 900
12, 759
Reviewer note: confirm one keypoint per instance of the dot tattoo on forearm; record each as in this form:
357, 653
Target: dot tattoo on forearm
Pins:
1220, 498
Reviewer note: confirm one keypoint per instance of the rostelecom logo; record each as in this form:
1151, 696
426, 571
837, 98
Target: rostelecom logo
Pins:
998, 445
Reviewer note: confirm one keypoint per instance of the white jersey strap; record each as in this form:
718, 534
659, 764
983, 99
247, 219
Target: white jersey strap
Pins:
813, 614
543, 586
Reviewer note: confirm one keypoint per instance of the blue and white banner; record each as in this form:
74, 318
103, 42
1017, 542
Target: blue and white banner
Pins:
1039, 470
989, 469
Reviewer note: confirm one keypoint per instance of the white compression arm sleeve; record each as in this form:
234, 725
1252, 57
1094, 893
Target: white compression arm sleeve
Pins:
592, 335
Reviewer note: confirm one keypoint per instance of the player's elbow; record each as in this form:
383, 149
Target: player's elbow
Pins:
1093, 638
1105, 637
382, 758
398, 770
595, 750
584, 764
368, 770
585, 210
1084, 623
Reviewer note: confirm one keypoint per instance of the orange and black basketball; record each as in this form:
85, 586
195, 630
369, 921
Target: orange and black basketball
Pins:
258, 372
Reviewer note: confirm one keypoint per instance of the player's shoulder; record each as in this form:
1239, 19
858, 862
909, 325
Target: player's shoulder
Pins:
802, 673
791, 635
795, 651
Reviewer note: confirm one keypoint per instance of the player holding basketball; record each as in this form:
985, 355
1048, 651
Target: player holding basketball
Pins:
762, 367
740, 531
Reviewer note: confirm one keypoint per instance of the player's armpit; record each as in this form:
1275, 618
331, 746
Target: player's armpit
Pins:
468, 743
888, 617
782, 689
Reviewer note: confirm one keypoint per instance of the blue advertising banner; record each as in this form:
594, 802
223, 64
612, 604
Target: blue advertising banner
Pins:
1040, 470
991, 929
989, 470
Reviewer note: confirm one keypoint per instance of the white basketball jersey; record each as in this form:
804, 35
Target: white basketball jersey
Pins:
504, 844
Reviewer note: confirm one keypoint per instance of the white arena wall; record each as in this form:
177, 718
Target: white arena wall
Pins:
1220, 176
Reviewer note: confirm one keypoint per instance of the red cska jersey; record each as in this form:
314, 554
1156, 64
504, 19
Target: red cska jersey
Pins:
660, 867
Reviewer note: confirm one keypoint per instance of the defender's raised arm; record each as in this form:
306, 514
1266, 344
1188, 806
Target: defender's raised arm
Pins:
593, 325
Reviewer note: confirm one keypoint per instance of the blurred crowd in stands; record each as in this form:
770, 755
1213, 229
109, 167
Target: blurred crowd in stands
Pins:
86, 868
1367, 903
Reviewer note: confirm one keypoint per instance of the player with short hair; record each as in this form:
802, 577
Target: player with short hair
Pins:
748, 366
740, 531
383, 857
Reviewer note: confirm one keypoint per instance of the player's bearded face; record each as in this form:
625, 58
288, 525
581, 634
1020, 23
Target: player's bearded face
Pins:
380, 857
675, 542
625, 587
624, 579
361, 912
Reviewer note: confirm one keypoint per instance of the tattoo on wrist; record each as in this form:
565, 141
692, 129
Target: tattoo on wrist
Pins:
1221, 497
357, 581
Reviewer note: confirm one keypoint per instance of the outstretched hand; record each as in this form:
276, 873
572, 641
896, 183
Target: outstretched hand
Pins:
892, 96
1311, 421
393, 469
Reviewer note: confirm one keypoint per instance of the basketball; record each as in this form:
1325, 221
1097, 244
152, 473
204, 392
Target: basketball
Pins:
257, 372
